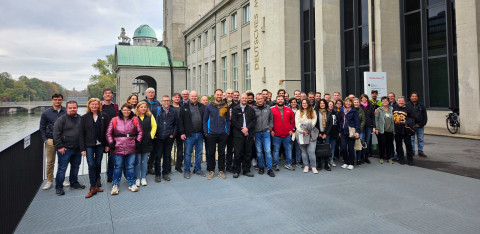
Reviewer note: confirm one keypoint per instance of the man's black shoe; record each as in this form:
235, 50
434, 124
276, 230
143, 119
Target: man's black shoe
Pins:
261, 170
410, 163
158, 179
235, 175
109, 179
59, 191
77, 186
230, 169
165, 177
271, 173
402, 162
249, 174
327, 167
255, 167
179, 170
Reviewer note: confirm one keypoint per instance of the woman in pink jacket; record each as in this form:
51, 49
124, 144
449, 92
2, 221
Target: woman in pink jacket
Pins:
124, 135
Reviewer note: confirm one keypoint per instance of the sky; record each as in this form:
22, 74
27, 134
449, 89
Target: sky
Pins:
58, 40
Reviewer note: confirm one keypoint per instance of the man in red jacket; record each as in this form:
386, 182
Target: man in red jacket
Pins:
283, 125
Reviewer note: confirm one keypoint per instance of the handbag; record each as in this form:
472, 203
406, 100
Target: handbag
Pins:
358, 145
351, 130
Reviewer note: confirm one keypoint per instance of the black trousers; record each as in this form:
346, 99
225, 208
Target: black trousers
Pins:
347, 149
385, 145
230, 151
153, 155
164, 151
399, 139
212, 141
243, 153
180, 149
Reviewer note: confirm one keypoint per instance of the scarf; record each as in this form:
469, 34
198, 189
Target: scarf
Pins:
364, 104
345, 112
222, 108
323, 112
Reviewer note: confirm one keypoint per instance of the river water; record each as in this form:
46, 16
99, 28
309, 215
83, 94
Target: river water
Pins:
16, 126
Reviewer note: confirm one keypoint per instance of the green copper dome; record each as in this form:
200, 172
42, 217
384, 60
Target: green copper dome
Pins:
144, 31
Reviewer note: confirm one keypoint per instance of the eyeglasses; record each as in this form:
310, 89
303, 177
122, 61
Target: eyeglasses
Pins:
57, 100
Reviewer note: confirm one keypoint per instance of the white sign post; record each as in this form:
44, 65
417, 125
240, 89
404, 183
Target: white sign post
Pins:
375, 80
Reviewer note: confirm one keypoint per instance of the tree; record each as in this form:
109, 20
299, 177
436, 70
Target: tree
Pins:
105, 79
25, 89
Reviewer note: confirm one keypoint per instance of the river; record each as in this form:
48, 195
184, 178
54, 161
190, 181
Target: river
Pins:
18, 125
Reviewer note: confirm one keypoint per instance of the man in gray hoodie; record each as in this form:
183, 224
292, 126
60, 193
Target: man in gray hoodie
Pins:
263, 127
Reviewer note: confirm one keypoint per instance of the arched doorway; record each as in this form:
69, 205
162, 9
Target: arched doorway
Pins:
141, 83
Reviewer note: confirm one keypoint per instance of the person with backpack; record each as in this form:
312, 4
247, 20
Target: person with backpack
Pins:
124, 135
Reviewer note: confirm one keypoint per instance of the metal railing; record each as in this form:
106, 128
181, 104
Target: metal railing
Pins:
22, 174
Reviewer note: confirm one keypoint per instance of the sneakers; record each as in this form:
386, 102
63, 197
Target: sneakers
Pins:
221, 174
143, 182
276, 167
381, 161
289, 167
344, 166
249, 174
327, 166
66, 183
133, 188
350, 167
300, 165
186, 175
115, 189
137, 182
314, 170
59, 191
48, 185
271, 173
211, 174
332, 163
261, 171
305, 169
390, 161
255, 167
200, 173
235, 175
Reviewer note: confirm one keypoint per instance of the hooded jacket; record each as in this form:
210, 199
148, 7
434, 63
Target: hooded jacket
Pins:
124, 143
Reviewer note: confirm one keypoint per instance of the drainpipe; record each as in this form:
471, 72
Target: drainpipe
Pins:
372, 17
171, 69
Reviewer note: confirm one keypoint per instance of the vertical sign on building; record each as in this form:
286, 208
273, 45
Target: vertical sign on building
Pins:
256, 53
375, 80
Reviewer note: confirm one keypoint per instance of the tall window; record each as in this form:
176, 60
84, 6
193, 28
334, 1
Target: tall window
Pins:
188, 48
207, 80
224, 27
224, 73
307, 34
206, 38
194, 79
214, 33
248, 81
194, 46
235, 71
200, 41
429, 51
355, 45
246, 14
214, 70
234, 21
199, 84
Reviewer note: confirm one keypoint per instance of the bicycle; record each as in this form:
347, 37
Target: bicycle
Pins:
453, 121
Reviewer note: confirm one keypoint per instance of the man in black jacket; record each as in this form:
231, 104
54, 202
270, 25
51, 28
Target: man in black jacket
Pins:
191, 131
421, 120
404, 119
243, 131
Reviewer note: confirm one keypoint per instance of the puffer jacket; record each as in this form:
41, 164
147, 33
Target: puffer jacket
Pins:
124, 145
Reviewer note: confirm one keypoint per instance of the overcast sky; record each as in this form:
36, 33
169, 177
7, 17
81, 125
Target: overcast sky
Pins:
57, 40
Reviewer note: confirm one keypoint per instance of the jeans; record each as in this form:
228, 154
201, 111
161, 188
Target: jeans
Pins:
419, 133
263, 144
308, 154
385, 145
127, 161
213, 140
347, 149
399, 139
74, 157
296, 151
94, 160
367, 135
164, 151
333, 144
196, 140
287, 143
141, 165
359, 152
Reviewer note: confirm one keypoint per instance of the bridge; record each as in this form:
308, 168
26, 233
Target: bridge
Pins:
8, 107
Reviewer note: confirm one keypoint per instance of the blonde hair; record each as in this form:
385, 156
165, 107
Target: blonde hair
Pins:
306, 111
137, 112
94, 100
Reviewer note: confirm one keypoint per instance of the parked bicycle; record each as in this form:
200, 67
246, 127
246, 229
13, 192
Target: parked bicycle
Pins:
453, 120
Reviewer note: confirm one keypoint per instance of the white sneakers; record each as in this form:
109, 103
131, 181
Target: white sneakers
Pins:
137, 182
66, 184
344, 166
305, 169
350, 167
115, 189
314, 170
144, 182
332, 163
48, 185
133, 188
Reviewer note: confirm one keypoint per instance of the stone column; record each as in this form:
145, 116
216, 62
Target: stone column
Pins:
328, 47
387, 43
468, 45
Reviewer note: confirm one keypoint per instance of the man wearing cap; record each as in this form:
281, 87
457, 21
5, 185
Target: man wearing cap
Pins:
375, 102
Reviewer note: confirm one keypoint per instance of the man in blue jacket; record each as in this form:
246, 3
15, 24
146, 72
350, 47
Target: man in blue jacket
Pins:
167, 120
216, 130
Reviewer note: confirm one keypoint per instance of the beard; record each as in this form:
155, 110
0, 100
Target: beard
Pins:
280, 104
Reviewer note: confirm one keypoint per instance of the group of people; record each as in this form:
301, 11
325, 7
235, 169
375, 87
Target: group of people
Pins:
239, 131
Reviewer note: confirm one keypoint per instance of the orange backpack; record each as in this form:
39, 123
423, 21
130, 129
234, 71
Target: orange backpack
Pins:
114, 122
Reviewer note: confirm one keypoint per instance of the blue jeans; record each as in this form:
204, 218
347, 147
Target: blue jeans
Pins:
419, 133
367, 134
127, 161
94, 161
287, 143
359, 153
74, 157
262, 143
141, 165
333, 143
196, 140
296, 150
